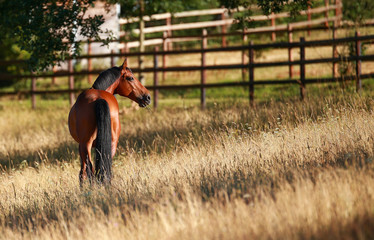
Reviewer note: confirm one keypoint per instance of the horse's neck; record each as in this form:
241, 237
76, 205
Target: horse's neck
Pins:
112, 88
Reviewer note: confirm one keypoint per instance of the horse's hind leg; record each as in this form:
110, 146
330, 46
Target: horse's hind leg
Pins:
116, 129
87, 169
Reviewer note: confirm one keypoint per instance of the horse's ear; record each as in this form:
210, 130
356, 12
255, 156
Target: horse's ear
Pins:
124, 66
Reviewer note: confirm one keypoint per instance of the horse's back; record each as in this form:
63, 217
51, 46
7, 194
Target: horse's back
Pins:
82, 118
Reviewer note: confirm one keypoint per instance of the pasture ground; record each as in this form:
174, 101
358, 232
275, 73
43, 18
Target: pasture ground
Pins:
284, 170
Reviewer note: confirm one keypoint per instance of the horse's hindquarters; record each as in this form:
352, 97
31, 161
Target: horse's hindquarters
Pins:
82, 118
72, 124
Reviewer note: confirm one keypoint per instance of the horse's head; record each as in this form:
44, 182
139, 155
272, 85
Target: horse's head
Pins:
131, 87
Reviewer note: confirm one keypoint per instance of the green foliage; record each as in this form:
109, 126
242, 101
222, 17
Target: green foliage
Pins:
131, 8
267, 6
276, 6
47, 29
358, 11
10, 51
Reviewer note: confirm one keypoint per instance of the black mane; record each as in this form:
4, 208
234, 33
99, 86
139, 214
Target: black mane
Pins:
107, 78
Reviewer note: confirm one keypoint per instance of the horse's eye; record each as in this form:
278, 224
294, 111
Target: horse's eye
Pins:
129, 78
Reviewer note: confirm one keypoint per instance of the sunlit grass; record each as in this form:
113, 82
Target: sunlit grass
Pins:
284, 170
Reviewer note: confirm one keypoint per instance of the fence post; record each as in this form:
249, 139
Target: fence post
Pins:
334, 52
164, 48
290, 57
309, 19
251, 74
33, 89
71, 82
326, 14
169, 33
204, 44
122, 50
155, 78
302, 68
54, 70
89, 62
244, 40
358, 62
273, 35
125, 49
338, 11
112, 64
223, 30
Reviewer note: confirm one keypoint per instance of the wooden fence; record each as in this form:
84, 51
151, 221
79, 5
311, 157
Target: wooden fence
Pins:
252, 65
166, 42
302, 80
224, 22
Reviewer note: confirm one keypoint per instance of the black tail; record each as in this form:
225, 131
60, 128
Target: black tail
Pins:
103, 167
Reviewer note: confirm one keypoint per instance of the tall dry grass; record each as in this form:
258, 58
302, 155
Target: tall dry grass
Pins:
282, 171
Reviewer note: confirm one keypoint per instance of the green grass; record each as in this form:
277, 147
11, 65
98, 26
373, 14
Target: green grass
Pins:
264, 93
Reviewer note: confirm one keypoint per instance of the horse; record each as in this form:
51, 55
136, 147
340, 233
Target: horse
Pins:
94, 119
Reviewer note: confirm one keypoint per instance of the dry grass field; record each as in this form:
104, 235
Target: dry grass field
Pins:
284, 170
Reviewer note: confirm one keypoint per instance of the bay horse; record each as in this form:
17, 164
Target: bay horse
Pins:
94, 119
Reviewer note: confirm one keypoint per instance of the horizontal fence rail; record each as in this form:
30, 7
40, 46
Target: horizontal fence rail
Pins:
250, 66
225, 22
207, 85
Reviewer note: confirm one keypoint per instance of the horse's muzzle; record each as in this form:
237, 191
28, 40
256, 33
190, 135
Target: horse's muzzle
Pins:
144, 100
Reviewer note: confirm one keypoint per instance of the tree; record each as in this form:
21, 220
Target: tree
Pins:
131, 8
267, 6
358, 11
47, 29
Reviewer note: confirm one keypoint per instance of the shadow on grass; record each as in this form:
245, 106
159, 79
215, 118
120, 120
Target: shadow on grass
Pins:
226, 184
264, 117
65, 152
